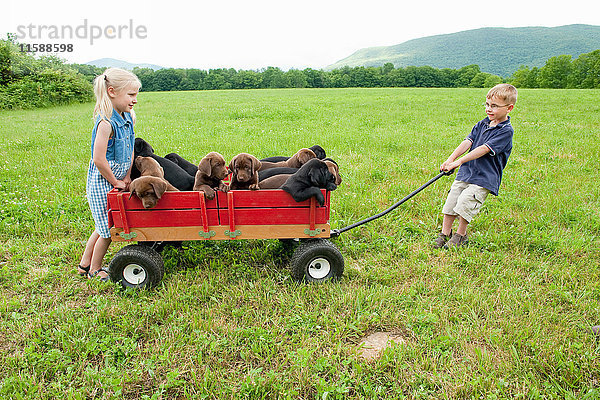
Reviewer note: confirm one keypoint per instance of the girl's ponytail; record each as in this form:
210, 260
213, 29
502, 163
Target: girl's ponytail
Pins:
119, 79
103, 106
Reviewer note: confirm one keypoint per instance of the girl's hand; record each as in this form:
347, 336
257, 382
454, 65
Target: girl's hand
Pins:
120, 185
127, 181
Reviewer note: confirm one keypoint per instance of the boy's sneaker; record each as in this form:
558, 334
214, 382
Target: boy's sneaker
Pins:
456, 241
441, 240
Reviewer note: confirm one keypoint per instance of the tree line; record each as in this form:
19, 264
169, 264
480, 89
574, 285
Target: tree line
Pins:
29, 82
560, 72
273, 77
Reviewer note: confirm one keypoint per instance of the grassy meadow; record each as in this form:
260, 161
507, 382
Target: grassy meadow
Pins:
509, 316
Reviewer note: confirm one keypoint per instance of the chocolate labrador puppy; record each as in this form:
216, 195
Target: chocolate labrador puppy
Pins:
306, 183
334, 169
210, 175
245, 172
296, 161
318, 150
267, 173
174, 174
150, 189
183, 163
274, 182
148, 166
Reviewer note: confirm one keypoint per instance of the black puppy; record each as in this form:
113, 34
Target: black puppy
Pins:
318, 150
174, 174
183, 163
267, 173
308, 181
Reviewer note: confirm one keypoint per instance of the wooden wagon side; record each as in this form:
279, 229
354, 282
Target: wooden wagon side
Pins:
238, 214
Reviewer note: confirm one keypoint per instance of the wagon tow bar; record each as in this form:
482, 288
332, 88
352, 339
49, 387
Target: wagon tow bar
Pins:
337, 232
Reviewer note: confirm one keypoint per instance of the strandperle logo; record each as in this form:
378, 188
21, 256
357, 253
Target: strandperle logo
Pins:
83, 31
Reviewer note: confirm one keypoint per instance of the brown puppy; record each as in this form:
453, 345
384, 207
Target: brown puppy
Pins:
245, 169
211, 172
148, 166
335, 170
150, 189
274, 182
296, 161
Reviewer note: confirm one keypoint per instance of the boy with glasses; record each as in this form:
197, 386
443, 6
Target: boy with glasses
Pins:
480, 173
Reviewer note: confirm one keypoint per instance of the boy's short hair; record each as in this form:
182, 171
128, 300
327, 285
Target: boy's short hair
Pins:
505, 92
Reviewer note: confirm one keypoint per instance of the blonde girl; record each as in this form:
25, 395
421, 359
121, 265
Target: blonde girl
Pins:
112, 155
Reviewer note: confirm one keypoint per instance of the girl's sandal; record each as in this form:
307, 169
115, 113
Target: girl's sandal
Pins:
102, 279
85, 270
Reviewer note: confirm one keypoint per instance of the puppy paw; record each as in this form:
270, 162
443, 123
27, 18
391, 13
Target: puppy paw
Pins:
208, 193
223, 187
254, 186
320, 199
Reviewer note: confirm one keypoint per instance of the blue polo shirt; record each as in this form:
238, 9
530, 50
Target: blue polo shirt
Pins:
486, 171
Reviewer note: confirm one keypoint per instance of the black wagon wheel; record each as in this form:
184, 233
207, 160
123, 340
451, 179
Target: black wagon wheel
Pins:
317, 260
137, 266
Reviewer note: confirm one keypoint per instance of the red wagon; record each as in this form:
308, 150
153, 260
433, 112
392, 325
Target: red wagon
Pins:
238, 214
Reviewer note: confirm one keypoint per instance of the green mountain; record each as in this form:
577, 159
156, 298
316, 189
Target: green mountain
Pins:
500, 51
111, 62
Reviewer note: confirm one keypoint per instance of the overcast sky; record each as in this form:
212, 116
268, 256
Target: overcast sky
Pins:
256, 34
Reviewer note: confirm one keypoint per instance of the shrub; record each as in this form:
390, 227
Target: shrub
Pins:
29, 82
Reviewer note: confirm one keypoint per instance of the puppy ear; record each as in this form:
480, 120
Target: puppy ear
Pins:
256, 164
132, 186
232, 164
160, 187
204, 167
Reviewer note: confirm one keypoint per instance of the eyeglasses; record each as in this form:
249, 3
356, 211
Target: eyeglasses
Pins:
494, 107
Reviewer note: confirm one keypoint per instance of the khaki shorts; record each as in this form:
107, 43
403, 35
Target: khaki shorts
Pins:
465, 199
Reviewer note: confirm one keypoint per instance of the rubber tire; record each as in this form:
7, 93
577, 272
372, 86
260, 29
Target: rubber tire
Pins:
143, 256
311, 250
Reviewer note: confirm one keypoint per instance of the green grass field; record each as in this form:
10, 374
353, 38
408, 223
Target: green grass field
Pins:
507, 317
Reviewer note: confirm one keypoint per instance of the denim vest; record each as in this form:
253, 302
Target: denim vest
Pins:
120, 145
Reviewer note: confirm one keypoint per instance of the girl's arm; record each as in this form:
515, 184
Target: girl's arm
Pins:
460, 150
127, 178
100, 144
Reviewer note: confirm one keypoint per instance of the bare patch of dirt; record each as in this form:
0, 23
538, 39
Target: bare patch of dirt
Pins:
371, 346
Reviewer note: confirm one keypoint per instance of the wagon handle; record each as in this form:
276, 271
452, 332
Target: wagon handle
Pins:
336, 232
